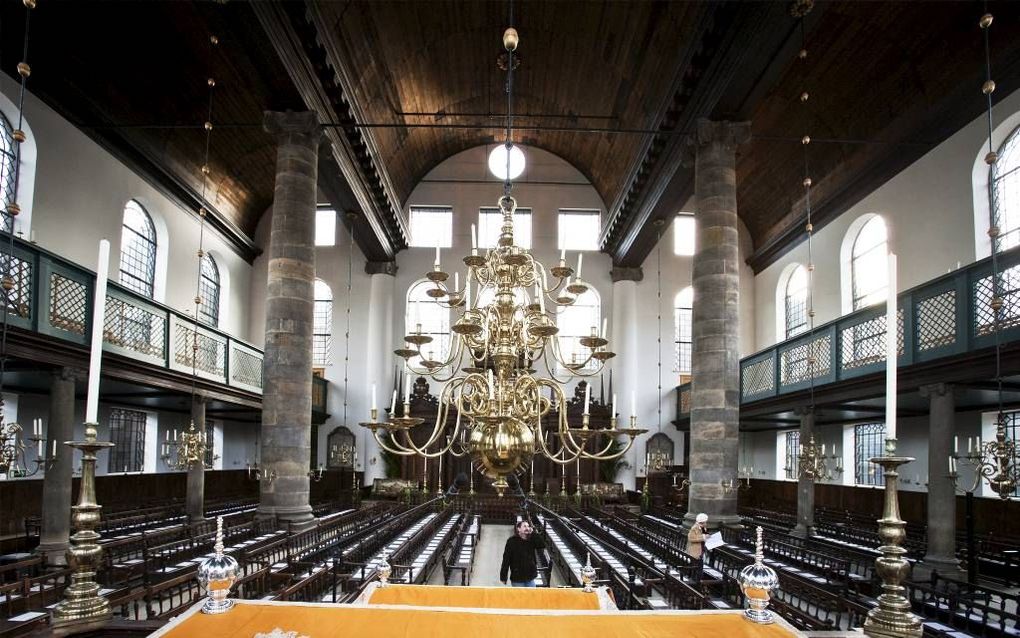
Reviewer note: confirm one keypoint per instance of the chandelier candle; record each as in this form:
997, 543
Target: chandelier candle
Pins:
98, 320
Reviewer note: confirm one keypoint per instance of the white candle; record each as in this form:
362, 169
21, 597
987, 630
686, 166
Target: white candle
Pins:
956, 445
563, 254
373, 398
54, 455
175, 434
167, 437
492, 386
40, 446
393, 403
587, 396
98, 319
633, 403
456, 281
823, 449
541, 299
605, 326
970, 443
614, 405
891, 350
580, 261
474, 238
467, 291
407, 389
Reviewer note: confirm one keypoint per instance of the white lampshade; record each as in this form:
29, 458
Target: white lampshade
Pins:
498, 162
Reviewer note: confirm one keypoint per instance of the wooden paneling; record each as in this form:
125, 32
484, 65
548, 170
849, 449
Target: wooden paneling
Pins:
991, 514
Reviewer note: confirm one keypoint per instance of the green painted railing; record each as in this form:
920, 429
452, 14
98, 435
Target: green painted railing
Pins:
946, 316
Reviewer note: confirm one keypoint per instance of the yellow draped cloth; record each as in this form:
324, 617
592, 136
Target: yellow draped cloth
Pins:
319, 620
484, 597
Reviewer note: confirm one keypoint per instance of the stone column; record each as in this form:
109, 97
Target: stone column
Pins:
623, 333
941, 555
195, 499
805, 486
56, 503
715, 361
287, 393
381, 341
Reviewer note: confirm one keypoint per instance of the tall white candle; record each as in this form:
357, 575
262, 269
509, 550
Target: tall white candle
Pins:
393, 403
437, 256
587, 396
605, 327
541, 298
467, 290
54, 453
456, 281
956, 445
373, 397
580, 261
40, 446
98, 319
407, 389
563, 254
474, 238
891, 352
633, 403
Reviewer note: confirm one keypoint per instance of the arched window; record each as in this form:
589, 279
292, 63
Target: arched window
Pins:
322, 326
576, 321
8, 163
1004, 183
683, 308
138, 250
209, 291
433, 319
795, 302
868, 264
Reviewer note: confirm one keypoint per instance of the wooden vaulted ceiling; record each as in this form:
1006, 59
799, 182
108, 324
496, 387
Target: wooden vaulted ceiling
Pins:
889, 79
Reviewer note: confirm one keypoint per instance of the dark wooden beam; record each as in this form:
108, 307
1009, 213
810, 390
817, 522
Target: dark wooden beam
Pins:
352, 179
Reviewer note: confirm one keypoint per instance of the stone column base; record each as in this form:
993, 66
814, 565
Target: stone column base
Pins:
945, 566
803, 531
55, 553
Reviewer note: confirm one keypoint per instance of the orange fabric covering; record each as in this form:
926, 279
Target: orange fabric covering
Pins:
321, 620
484, 597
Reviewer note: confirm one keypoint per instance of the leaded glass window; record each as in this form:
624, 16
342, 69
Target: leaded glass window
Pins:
792, 467
683, 309
209, 291
138, 250
869, 270
127, 433
1004, 183
869, 442
322, 329
796, 302
8, 172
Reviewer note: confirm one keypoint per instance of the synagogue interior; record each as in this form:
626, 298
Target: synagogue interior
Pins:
402, 318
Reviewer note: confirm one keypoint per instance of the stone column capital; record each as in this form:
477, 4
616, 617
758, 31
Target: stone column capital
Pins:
292, 126
381, 268
936, 390
804, 410
626, 273
729, 134
67, 373
199, 399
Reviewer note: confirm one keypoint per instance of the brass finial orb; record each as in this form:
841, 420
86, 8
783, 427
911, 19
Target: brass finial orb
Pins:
800, 8
996, 303
19, 135
985, 21
988, 87
511, 39
29, 3
198, 300
805, 140
993, 232
202, 212
991, 157
201, 253
811, 267
804, 96
205, 168
802, 54
213, 40
809, 227
7, 282
807, 182
24, 70
211, 82
208, 126
13, 209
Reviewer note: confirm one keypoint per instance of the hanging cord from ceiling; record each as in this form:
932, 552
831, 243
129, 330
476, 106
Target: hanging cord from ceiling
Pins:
12, 209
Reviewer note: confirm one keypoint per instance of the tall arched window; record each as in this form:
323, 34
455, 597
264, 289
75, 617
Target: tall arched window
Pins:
683, 309
433, 318
322, 326
576, 321
209, 291
795, 302
1004, 183
138, 250
868, 264
8, 163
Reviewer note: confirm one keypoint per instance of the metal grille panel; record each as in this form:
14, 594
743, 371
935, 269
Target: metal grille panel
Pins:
134, 328
8, 164
685, 400
794, 366
792, 467
19, 298
1009, 290
936, 321
68, 304
246, 368
210, 356
758, 377
864, 343
869, 442
127, 432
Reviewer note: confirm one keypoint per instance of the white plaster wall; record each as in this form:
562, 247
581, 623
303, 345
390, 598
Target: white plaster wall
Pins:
930, 212
79, 196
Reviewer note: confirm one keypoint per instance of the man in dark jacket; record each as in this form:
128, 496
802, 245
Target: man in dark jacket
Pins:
519, 555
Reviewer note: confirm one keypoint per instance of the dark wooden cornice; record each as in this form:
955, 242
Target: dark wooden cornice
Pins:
732, 53
349, 174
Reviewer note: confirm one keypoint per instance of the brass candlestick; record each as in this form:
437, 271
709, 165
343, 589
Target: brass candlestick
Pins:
82, 603
892, 618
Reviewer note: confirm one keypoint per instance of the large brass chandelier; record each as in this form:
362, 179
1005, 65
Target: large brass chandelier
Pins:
500, 341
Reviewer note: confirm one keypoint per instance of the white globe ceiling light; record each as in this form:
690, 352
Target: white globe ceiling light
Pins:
498, 161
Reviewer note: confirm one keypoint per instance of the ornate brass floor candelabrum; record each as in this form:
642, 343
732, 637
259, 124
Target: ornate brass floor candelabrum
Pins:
892, 617
82, 604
